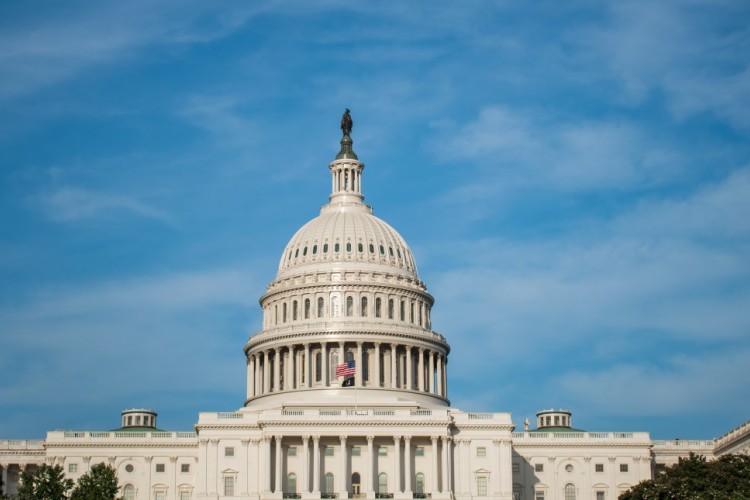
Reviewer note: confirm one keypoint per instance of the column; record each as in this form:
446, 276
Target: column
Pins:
266, 373
316, 465
305, 465
444, 482
420, 378
5, 476
431, 372
342, 480
213, 459
324, 360
342, 355
276, 369
441, 361
289, 377
254, 472
277, 472
397, 465
407, 465
250, 383
370, 476
203, 461
409, 370
257, 375
394, 378
434, 453
445, 376
377, 364
266, 463
307, 366
359, 367
173, 480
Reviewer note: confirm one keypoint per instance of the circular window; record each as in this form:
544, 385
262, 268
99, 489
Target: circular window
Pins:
569, 468
129, 468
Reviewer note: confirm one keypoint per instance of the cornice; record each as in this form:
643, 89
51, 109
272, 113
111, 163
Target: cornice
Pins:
120, 444
414, 290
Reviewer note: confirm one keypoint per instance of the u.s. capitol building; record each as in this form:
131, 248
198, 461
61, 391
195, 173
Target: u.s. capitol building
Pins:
347, 397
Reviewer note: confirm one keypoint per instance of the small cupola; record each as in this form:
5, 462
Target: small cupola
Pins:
139, 417
553, 418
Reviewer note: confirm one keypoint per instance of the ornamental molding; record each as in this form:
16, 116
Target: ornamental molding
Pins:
266, 340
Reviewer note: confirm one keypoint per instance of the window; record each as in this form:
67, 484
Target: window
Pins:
229, 486
599, 467
363, 306
481, 451
569, 468
304, 251
291, 451
419, 483
538, 495
382, 250
128, 492
482, 486
294, 310
336, 248
516, 467
516, 495
328, 486
307, 308
372, 248
315, 249
291, 483
184, 495
382, 451
335, 306
283, 314
320, 307
390, 308
228, 451
129, 468
570, 492
348, 246
329, 451
402, 311
378, 305
72, 468
538, 467
383, 483
185, 468
159, 467
325, 247
600, 495
623, 467
159, 495
360, 248
349, 306
356, 451
419, 451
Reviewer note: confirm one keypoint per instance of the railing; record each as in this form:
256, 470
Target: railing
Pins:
383, 495
421, 413
579, 435
480, 416
230, 415
329, 495
128, 434
683, 443
22, 444
292, 495
383, 412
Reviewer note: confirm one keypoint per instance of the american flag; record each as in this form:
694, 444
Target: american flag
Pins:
345, 369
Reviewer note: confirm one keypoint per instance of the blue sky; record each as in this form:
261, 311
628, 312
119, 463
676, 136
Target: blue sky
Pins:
573, 178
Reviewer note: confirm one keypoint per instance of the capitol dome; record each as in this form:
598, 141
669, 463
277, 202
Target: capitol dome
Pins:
347, 294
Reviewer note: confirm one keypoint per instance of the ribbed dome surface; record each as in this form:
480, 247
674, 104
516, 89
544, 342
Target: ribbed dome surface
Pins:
347, 236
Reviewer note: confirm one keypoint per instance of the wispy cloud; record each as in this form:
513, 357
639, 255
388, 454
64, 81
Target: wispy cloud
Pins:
71, 204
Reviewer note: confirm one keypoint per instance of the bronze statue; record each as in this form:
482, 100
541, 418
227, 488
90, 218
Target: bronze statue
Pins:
346, 123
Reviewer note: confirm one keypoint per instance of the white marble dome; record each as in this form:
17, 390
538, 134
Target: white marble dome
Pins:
347, 237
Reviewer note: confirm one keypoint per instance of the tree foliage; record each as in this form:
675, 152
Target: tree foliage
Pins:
99, 483
695, 478
47, 483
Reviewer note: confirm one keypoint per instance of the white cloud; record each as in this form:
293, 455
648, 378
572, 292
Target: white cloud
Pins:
70, 204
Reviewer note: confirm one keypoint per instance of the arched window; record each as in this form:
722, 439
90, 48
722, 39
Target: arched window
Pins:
411, 312
350, 306
318, 366
356, 484
570, 492
128, 492
320, 307
328, 487
421, 313
402, 311
334, 361
390, 308
335, 313
363, 307
283, 314
294, 310
383, 483
276, 314
307, 308
419, 483
378, 305
291, 483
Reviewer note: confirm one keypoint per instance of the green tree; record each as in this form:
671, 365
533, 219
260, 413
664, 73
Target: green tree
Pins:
47, 483
100, 483
695, 478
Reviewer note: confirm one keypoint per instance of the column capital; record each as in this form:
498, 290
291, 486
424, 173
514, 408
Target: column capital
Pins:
359, 343
587, 459
407, 438
316, 438
342, 439
87, 459
396, 439
445, 439
214, 441
408, 348
434, 438
307, 345
377, 344
422, 349
305, 438
147, 459
245, 442
173, 459
370, 439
